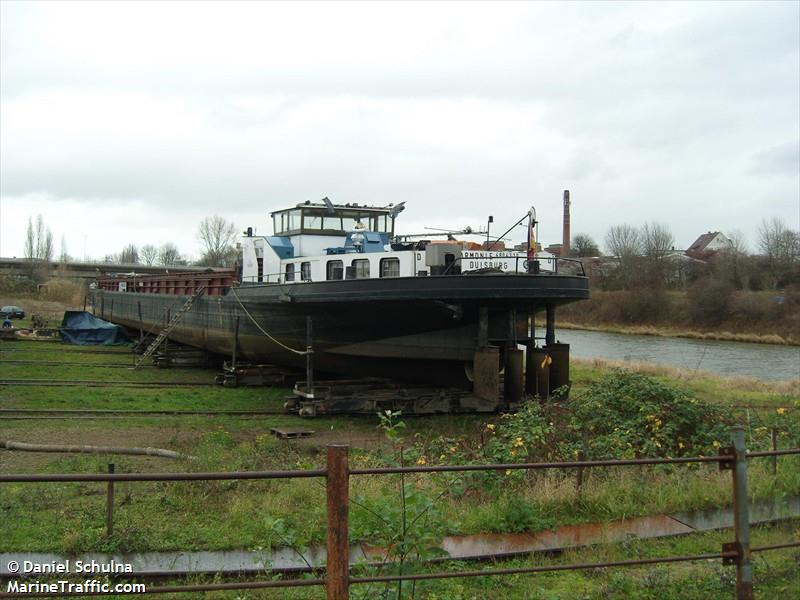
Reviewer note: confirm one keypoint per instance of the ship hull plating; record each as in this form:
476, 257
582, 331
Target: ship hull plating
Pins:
422, 329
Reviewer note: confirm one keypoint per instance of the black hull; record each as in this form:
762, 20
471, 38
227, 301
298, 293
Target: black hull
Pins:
421, 329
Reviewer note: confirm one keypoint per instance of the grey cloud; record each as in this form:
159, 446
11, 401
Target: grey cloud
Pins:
783, 159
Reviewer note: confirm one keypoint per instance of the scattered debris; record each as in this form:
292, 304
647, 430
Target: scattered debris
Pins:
23, 447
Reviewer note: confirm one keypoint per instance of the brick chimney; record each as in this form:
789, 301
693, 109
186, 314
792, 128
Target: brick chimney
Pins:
566, 238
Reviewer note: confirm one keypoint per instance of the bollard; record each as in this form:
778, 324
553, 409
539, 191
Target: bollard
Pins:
337, 483
110, 504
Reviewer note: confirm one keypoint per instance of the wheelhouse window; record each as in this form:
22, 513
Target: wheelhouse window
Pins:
361, 267
289, 272
390, 267
305, 271
334, 270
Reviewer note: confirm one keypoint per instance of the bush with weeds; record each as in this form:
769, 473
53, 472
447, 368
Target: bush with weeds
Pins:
626, 415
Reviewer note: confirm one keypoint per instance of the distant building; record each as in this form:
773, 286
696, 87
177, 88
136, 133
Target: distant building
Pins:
523, 247
496, 246
554, 249
708, 244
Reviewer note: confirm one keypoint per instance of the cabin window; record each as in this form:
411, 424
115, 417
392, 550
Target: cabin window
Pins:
334, 223
289, 272
390, 267
335, 270
312, 222
305, 271
294, 220
348, 223
362, 268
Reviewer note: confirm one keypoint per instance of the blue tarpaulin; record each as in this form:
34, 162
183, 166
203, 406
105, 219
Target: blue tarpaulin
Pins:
84, 329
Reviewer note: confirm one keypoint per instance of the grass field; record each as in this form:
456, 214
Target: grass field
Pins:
246, 515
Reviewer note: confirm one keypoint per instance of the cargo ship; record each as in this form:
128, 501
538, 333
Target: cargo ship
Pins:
446, 312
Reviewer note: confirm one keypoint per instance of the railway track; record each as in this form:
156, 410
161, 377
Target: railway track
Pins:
95, 383
58, 363
36, 414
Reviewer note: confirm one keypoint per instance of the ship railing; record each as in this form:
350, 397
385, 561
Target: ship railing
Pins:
546, 265
271, 278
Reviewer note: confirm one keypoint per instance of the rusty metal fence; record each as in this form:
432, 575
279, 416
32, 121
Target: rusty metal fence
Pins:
337, 577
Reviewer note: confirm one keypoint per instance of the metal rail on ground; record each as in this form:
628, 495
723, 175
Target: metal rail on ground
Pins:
94, 383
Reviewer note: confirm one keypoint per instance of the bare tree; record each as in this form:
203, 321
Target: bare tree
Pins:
623, 241
168, 255
148, 254
30, 242
129, 255
777, 242
63, 256
38, 241
780, 248
217, 236
583, 245
47, 248
657, 242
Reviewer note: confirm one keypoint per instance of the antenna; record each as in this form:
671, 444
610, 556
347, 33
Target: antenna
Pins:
329, 206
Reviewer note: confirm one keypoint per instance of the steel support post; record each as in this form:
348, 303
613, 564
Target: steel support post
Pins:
141, 322
550, 333
530, 364
235, 343
337, 484
309, 361
483, 327
741, 517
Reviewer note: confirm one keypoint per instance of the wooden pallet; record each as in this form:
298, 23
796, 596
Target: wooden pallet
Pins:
287, 433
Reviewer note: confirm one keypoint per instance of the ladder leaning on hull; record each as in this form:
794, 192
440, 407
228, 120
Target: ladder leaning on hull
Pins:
173, 322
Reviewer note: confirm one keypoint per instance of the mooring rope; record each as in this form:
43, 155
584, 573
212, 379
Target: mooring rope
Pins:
261, 329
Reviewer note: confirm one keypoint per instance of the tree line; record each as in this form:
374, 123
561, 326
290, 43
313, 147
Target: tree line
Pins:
646, 257
216, 235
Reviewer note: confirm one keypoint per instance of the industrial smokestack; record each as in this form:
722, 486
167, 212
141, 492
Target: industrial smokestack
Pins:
566, 238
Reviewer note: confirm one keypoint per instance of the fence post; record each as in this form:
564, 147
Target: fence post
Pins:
774, 459
741, 517
110, 504
337, 483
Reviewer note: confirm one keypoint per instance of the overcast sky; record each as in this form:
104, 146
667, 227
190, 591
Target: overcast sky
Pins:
131, 122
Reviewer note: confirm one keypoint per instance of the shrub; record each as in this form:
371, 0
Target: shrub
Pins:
626, 415
64, 290
710, 301
644, 305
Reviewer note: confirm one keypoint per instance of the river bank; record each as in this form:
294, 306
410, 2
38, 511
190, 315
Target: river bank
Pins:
756, 317
663, 331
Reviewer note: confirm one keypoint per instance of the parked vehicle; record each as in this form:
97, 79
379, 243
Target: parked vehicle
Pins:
12, 312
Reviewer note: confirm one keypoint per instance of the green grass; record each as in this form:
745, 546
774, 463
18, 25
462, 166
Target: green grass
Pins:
70, 517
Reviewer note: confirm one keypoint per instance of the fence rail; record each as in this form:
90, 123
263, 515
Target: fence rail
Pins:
337, 473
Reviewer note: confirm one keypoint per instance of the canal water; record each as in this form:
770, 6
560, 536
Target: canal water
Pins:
760, 361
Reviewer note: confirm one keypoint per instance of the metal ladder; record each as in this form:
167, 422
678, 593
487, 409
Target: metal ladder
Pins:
172, 323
